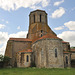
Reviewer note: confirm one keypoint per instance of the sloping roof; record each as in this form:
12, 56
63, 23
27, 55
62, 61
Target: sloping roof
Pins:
20, 39
49, 35
66, 52
28, 50
38, 10
64, 42
73, 50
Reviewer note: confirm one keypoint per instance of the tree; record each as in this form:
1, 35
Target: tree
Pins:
1, 58
4, 61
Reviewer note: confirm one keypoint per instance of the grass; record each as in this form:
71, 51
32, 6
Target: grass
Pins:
37, 71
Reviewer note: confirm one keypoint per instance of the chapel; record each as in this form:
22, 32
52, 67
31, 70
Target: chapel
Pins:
41, 48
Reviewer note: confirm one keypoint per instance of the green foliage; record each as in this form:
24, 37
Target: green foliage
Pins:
6, 59
1, 58
37, 71
72, 47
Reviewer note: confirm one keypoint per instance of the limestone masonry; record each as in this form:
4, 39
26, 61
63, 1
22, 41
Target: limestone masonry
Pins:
41, 48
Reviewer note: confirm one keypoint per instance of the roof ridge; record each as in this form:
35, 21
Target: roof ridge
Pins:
48, 35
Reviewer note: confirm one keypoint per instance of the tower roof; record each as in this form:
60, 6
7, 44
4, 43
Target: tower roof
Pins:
38, 10
48, 36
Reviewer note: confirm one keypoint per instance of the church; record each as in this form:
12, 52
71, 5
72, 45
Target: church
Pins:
41, 48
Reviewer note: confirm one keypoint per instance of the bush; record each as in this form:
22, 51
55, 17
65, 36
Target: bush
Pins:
4, 61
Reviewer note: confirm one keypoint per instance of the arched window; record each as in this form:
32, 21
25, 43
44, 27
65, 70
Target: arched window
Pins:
41, 35
40, 17
55, 52
27, 58
34, 18
66, 60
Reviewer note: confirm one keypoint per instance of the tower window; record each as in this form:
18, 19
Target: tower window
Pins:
66, 60
40, 18
27, 58
34, 18
41, 31
55, 52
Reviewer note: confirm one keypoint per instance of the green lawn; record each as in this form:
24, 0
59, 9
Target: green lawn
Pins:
37, 71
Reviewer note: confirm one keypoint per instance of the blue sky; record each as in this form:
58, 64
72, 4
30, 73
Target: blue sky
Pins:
14, 18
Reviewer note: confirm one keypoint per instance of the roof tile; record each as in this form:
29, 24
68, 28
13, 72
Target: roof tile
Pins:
28, 50
49, 35
20, 39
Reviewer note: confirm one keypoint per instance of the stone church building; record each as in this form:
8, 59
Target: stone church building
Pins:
41, 48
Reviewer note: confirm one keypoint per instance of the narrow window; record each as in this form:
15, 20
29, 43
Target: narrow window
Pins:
46, 19
69, 47
41, 31
66, 60
41, 35
55, 52
34, 18
27, 58
40, 18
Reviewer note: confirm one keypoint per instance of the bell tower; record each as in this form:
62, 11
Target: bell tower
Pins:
38, 16
38, 24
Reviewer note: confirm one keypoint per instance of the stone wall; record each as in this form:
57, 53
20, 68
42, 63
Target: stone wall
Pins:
44, 53
37, 26
22, 59
66, 46
67, 64
37, 17
13, 47
72, 55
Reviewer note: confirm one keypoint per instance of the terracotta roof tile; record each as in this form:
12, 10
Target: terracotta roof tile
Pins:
73, 50
49, 35
66, 52
38, 10
20, 39
28, 50
64, 42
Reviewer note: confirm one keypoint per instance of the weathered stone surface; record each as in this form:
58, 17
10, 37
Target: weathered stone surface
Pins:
69, 60
22, 59
44, 53
14, 46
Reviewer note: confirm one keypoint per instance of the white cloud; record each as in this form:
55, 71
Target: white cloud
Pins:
59, 28
4, 37
21, 34
2, 19
58, 13
35, 7
2, 26
3, 41
45, 3
16, 4
7, 22
58, 3
2, 49
18, 27
68, 36
70, 25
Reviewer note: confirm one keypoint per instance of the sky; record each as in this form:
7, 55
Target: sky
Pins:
14, 18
